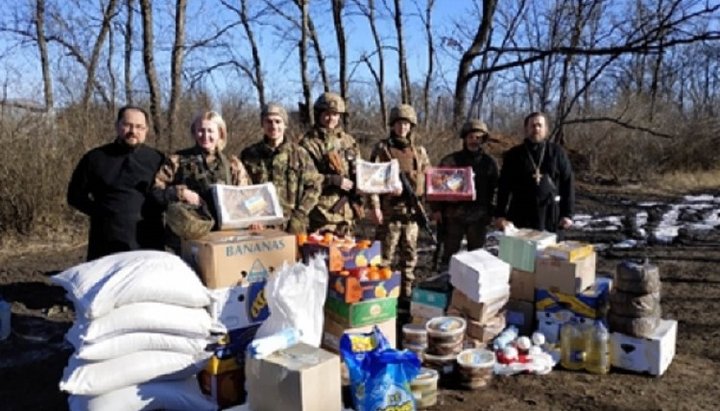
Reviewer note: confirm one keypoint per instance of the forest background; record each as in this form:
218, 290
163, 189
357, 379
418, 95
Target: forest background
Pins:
632, 87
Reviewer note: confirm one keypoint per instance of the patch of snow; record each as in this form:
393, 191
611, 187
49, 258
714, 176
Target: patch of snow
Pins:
698, 198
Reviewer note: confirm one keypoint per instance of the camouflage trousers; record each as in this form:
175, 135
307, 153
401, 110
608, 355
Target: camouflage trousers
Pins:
401, 237
454, 233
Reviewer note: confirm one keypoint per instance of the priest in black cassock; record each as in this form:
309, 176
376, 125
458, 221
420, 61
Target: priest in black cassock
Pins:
536, 188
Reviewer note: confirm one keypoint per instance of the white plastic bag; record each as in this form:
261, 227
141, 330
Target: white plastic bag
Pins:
166, 395
142, 317
296, 296
97, 287
95, 378
125, 344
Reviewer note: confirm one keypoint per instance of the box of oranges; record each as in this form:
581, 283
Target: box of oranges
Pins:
364, 283
361, 313
343, 253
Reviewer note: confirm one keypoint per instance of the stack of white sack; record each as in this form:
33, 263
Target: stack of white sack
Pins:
140, 333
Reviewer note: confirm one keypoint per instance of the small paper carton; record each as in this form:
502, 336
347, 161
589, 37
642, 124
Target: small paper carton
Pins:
298, 378
450, 184
560, 275
378, 178
651, 355
522, 285
486, 331
520, 247
240, 206
569, 250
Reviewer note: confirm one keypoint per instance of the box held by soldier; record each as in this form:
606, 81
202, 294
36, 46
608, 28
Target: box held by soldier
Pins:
241, 206
450, 184
228, 258
378, 178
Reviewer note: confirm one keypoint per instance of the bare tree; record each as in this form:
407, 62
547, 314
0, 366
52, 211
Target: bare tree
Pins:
426, 18
150, 71
127, 57
306, 107
92, 64
44, 59
405, 93
464, 76
337, 8
368, 10
176, 66
258, 76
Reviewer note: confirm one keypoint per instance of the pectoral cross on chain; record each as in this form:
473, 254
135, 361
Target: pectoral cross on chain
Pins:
537, 176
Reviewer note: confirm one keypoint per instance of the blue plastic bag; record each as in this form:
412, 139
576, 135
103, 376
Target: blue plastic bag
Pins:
379, 374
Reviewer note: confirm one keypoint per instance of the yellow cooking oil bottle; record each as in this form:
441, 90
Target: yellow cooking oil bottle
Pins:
572, 345
597, 343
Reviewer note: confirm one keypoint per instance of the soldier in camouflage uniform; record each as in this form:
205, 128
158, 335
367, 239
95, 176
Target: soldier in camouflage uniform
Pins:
187, 175
288, 166
334, 153
470, 218
398, 228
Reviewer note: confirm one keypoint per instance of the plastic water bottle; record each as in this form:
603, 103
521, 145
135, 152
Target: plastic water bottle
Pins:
597, 360
572, 345
506, 337
4, 319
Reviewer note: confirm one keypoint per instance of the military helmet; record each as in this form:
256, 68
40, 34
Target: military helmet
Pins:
473, 125
274, 108
187, 221
330, 102
405, 111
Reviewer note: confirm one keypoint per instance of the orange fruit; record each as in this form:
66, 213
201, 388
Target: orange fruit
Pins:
386, 273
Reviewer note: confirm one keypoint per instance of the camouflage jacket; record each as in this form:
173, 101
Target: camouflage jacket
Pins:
292, 171
195, 170
413, 160
322, 144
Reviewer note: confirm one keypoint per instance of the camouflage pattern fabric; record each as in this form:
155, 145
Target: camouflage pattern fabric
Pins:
400, 235
292, 171
319, 143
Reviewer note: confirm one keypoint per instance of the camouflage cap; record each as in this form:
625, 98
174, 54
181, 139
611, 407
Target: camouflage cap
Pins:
473, 125
188, 222
274, 108
330, 102
405, 111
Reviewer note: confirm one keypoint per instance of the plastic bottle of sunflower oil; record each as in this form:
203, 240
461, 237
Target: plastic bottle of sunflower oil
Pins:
572, 345
597, 341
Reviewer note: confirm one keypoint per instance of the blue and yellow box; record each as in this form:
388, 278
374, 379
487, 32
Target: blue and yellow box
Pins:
344, 258
351, 289
591, 303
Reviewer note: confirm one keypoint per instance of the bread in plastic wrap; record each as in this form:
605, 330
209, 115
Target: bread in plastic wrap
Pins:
239, 207
378, 178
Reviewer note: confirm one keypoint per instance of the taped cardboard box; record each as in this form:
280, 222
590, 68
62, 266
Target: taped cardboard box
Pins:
351, 289
478, 273
520, 247
481, 312
651, 355
569, 250
424, 311
240, 306
341, 256
522, 285
241, 206
361, 313
298, 378
332, 331
229, 258
563, 276
486, 331
591, 303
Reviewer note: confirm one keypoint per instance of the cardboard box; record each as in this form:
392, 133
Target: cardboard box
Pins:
240, 306
226, 384
240, 206
351, 290
450, 184
522, 315
520, 247
651, 355
522, 285
569, 250
485, 331
362, 313
298, 378
591, 303
551, 323
481, 312
377, 178
430, 297
425, 311
229, 258
341, 258
478, 273
333, 331
563, 276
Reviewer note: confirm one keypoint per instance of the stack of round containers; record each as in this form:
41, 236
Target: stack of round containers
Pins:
415, 339
635, 300
445, 341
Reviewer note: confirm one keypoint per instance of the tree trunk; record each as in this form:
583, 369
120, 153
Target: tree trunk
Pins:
111, 69
128, 52
307, 108
150, 71
379, 75
318, 51
259, 83
91, 83
466, 61
178, 52
405, 92
44, 60
427, 22
337, 8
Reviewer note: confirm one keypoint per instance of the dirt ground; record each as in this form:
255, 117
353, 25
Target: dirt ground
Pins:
32, 359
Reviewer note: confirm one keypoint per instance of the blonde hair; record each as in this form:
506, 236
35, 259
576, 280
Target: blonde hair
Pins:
216, 118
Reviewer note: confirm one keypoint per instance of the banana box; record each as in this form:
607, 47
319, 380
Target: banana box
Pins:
340, 257
351, 289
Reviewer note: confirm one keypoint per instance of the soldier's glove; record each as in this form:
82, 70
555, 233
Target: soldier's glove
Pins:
334, 180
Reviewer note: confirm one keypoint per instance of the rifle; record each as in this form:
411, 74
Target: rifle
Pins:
355, 201
412, 200
439, 248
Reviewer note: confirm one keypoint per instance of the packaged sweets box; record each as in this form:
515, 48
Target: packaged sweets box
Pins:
378, 178
450, 184
239, 207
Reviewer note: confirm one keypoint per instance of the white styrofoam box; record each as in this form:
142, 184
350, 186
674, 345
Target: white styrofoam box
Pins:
652, 355
239, 207
477, 272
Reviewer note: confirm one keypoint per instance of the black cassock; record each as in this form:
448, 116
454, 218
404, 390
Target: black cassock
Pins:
533, 197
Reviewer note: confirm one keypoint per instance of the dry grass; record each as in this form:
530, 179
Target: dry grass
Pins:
685, 182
